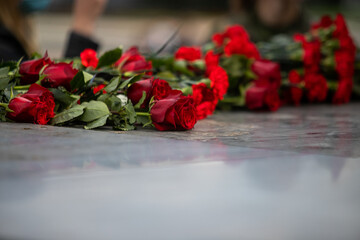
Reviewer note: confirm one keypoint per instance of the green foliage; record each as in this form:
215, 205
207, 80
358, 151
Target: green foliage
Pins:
113, 86
113, 102
133, 79
63, 97
141, 101
97, 123
182, 67
68, 115
145, 120
125, 119
4, 77
80, 79
94, 110
109, 57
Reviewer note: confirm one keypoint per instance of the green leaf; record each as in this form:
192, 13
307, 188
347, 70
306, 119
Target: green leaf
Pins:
125, 119
181, 66
4, 77
166, 75
80, 79
94, 110
97, 123
133, 79
141, 101
144, 120
65, 98
109, 57
113, 85
131, 112
68, 114
200, 64
114, 103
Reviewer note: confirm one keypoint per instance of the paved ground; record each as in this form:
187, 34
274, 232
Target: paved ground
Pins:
293, 174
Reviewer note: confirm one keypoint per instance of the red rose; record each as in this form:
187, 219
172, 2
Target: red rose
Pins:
254, 98
262, 97
295, 92
239, 45
89, 58
316, 87
340, 27
156, 88
204, 100
99, 88
30, 70
298, 37
343, 93
251, 51
272, 100
133, 61
188, 53
135, 91
296, 95
347, 44
294, 77
218, 39
211, 60
268, 73
59, 74
219, 82
312, 55
37, 106
174, 113
161, 89
325, 22
236, 31
344, 64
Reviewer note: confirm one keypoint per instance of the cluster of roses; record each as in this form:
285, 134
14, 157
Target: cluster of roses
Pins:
262, 92
327, 45
206, 96
169, 108
37, 104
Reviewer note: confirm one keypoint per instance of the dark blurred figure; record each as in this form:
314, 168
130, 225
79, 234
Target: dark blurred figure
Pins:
266, 18
16, 37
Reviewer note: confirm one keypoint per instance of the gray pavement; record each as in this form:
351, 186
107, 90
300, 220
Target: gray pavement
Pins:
293, 174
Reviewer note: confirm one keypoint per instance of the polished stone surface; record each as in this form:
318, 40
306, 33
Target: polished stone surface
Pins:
293, 174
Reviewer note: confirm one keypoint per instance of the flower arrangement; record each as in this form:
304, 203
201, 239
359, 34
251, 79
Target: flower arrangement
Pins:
318, 65
126, 90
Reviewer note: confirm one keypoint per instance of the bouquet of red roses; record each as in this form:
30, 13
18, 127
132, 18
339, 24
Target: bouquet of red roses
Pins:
318, 65
116, 89
226, 73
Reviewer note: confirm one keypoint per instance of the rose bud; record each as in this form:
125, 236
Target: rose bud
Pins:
135, 91
35, 106
59, 74
89, 58
30, 69
174, 113
133, 61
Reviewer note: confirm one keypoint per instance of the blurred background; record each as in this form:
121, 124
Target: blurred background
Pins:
149, 24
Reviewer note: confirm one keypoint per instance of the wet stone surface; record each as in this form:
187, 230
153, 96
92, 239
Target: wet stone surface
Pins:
293, 174
323, 129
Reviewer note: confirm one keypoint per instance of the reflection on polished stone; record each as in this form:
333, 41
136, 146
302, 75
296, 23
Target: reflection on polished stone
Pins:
294, 174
